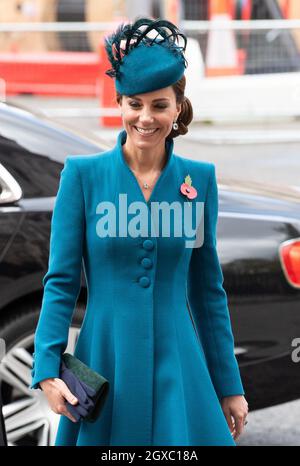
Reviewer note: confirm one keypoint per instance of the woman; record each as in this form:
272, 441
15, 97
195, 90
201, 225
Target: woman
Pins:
169, 384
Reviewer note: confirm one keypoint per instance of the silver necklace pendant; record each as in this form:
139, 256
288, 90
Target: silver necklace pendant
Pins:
146, 186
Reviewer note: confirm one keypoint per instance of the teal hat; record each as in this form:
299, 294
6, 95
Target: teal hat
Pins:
146, 55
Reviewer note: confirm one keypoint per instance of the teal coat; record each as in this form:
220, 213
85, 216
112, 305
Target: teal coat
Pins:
166, 380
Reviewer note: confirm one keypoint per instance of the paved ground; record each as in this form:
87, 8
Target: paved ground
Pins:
278, 425
266, 153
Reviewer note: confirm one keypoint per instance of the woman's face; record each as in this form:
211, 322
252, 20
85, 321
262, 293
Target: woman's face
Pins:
153, 111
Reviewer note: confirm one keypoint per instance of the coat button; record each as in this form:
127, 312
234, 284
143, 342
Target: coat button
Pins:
146, 263
144, 282
148, 244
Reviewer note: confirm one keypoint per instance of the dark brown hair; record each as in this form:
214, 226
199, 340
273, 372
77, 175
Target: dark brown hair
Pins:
185, 116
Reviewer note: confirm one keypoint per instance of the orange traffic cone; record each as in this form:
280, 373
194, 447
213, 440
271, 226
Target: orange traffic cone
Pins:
222, 57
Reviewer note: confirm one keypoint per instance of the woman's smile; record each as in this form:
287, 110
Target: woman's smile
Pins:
145, 132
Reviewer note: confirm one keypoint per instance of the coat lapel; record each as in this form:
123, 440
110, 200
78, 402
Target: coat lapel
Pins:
127, 182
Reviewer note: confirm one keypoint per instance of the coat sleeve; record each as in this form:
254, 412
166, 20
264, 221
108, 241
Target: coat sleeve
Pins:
62, 281
208, 303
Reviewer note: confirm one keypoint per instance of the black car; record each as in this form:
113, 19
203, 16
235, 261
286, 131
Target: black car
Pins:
259, 250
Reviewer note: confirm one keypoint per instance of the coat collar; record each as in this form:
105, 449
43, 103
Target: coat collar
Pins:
128, 173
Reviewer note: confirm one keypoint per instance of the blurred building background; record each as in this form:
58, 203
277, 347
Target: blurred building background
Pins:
243, 55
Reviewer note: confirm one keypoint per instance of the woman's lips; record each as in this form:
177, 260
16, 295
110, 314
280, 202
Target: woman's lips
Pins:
146, 134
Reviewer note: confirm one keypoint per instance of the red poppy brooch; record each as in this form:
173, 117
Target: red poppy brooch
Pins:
187, 189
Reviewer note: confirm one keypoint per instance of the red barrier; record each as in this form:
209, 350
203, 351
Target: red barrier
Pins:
50, 73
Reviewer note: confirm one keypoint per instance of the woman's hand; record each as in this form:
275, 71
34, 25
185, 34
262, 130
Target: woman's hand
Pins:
57, 392
235, 409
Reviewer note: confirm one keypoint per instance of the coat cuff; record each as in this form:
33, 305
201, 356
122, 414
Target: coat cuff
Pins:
47, 367
228, 386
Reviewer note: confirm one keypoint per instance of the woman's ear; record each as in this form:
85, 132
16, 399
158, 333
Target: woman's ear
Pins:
178, 106
120, 108
119, 102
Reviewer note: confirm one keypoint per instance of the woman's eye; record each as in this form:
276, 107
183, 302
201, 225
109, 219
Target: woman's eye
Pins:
136, 105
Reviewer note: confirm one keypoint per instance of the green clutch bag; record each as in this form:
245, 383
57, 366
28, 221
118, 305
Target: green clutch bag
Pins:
89, 387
